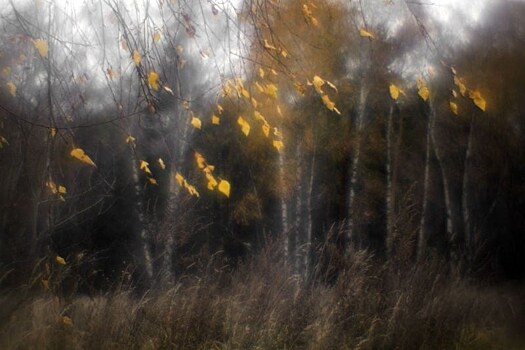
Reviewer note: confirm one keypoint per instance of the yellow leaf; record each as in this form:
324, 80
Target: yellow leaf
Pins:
152, 181
454, 93
366, 34
258, 116
266, 130
424, 93
11, 87
220, 109
62, 189
196, 122
162, 164
79, 154
254, 102
201, 162
41, 46
208, 169
261, 73
6, 71
153, 78
130, 139
259, 87
245, 93
136, 57
179, 178
278, 144
67, 321
271, 90
479, 101
143, 165
394, 91
215, 120
52, 186
327, 102
454, 107
459, 83
156, 37
45, 284
318, 82
269, 46
60, 260
224, 188
245, 127
212, 183
420, 83
53, 132
299, 87
167, 88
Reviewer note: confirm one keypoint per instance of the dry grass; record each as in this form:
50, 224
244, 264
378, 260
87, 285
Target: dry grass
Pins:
262, 306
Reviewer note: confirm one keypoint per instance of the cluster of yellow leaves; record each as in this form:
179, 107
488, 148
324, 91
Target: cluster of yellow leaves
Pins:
183, 183
79, 154
318, 84
222, 186
57, 190
308, 14
474, 95
144, 166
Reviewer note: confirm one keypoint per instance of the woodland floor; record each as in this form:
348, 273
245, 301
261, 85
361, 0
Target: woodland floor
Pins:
260, 306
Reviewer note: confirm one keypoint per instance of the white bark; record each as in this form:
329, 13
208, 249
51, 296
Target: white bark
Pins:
284, 208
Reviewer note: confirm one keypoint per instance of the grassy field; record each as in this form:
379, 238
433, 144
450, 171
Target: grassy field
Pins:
261, 305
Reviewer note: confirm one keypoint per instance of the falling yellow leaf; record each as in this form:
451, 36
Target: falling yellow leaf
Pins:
220, 109
79, 154
329, 104
284, 53
278, 144
67, 321
261, 73
156, 37
258, 116
6, 71
179, 178
318, 82
11, 87
45, 284
152, 181
196, 122
60, 260
424, 93
62, 189
41, 46
130, 139
245, 93
479, 101
153, 78
245, 126
201, 162
215, 120
224, 188
271, 90
459, 83
365, 33
167, 88
143, 165
394, 91
161, 164
212, 183
136, 57
454, 93
254, 102
269, 46
266, 130
453, 107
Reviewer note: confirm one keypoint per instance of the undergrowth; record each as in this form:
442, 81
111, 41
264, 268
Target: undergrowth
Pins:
262, 305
